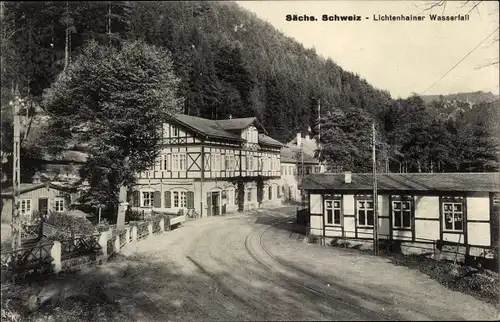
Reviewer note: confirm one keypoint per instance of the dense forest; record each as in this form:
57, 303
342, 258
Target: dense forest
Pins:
231, 62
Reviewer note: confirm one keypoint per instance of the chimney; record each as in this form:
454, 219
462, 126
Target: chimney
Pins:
347, 177
299, 139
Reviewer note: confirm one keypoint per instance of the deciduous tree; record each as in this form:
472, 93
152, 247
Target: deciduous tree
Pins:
114, 102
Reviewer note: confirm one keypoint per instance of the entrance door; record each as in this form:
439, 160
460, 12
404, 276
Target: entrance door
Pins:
43, 205
215, 204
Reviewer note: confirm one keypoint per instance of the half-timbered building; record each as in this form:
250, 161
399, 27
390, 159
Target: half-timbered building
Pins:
211, 166
418, 211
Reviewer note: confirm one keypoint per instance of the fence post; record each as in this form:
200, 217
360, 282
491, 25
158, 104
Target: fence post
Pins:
134, 233
150, 228
162, 225
55, 252
117, 243
127, 235
167, 221
103, 242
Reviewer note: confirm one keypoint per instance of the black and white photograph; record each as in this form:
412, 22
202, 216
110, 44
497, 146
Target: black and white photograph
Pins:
250, 160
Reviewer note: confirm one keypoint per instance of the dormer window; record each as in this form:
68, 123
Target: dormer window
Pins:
252, 135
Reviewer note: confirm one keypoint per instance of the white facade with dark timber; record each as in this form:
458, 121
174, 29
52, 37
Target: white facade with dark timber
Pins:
420, 212
211, 166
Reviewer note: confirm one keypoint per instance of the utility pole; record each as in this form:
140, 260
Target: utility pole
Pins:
16, 105
319, 136
375, 208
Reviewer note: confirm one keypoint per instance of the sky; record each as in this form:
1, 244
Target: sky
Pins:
402, 57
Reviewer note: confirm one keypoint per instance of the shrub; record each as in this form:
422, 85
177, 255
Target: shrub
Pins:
70, 224
133, 215
103, 226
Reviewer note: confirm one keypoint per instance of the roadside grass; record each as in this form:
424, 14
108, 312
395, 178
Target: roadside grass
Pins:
482, 284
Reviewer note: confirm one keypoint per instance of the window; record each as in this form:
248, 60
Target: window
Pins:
453, 214
164, 162
25, 206
249, 194
249, 163
365, 212
229, 162
59, 205
179, 162
216, 165
401, 211
332, 212
147, 199
166, 130
176, 131
180, 199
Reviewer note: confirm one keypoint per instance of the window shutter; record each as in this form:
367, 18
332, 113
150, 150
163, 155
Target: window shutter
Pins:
157, 199
169, 162
135, 198
190, 199
168, 201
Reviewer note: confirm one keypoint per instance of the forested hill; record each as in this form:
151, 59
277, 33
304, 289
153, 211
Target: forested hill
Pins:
473, 97
235, 63
230, 61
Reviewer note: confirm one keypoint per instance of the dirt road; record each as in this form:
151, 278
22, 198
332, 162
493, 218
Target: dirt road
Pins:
252, 267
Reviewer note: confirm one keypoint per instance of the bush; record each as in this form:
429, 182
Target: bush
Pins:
133, 215
103, 226
70, 224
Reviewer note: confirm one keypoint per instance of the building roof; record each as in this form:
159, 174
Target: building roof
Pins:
220, 128
236, 124
27, 187
485, 182
267, 140
291, 154
206, 127
309, 145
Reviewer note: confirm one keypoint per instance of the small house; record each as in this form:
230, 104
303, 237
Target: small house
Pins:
417, 211
36, 197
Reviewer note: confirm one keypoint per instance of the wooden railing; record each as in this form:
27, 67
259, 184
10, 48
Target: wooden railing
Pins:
76, 253
142, 231
48, 231
156, 227
23, 262
122, 235
80, 246
30, 231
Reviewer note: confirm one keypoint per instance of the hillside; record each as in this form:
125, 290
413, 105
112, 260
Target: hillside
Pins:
230, 61
472, 97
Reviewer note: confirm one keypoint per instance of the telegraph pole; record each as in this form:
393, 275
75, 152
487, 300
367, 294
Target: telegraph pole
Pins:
319, 136
375, 208
16, 105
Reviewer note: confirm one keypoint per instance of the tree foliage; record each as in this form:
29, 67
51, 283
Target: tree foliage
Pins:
114, 101
229, 62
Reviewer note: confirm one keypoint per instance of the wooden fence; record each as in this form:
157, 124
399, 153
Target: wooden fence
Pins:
77, 253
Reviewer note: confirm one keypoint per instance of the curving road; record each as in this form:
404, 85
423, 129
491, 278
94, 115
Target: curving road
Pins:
255, 267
